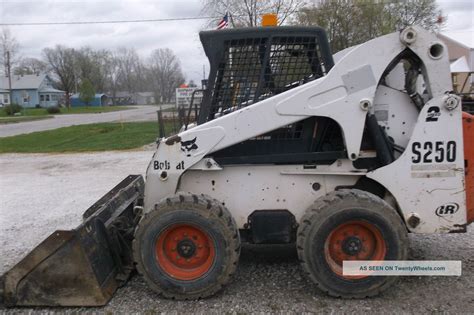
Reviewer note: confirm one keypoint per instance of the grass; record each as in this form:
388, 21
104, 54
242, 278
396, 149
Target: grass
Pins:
83, 138
64, 111
17, 119
89, 110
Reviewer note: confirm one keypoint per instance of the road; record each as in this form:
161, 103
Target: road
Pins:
44, 192
138, 113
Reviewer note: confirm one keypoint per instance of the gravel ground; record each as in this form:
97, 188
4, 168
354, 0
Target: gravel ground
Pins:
42, 192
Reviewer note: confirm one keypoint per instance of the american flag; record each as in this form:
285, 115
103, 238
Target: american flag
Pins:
224, 22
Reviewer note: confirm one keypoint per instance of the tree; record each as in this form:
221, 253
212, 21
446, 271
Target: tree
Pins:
249, 12
92, 65
331, 15
61, 60
351, 22
424, 13
30, 66
130, 67
166, 74
8, 44
8, 56
86, 92
113, 75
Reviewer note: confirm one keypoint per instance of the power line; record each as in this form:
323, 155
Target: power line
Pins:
109, 22
174, 19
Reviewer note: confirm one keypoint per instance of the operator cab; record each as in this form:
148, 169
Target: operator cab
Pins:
248, 65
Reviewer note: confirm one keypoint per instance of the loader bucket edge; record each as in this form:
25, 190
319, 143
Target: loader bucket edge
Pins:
83, 266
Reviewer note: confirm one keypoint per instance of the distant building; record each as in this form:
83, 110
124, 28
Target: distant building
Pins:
30, 91
4, 97
461, 55
122, 98
145, 98
99, 100
137, 98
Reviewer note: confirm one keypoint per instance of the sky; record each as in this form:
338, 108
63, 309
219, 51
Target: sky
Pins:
180, 36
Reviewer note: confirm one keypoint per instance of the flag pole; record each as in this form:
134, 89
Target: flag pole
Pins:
231, 19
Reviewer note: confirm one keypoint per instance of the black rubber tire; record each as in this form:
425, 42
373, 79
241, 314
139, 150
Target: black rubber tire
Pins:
199, 210
329, 212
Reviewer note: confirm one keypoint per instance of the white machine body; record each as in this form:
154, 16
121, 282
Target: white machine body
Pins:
426, 176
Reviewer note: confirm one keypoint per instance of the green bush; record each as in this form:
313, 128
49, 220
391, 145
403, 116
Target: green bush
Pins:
53, 110
12, 109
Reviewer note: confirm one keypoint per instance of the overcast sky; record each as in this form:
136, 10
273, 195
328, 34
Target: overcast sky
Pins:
180, 36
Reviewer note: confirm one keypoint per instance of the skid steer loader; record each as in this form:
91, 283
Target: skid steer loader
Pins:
342, 155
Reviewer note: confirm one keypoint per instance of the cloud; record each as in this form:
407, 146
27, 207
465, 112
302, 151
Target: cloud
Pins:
180, 36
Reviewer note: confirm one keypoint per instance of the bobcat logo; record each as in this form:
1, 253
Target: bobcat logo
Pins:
188, 146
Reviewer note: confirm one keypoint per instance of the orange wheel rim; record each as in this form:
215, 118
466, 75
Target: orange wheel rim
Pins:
355, 240
185, 252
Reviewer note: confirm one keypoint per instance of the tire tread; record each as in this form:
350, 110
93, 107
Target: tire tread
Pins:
321, 209
210, 208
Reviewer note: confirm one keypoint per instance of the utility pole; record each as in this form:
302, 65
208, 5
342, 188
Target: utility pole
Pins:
204, 80
9, 74
75, 79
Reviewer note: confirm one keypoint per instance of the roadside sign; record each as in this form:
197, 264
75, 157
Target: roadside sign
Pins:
184, 95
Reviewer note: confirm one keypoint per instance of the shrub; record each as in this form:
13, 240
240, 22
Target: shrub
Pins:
12, 109
53, 110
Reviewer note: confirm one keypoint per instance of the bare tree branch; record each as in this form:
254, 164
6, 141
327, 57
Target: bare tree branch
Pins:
166, 74
351, 22
8, 43
62, 63
248, 13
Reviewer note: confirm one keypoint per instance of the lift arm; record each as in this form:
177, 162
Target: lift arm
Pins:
345, 94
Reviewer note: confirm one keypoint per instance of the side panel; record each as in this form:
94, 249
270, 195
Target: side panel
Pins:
396, 113
427, 180
244, 189
468, 129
